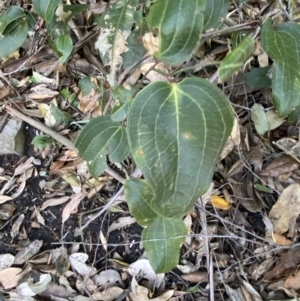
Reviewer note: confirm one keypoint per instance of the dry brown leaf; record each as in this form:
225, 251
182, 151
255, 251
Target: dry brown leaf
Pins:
285, 211
41, 92
287, 264
195, 277
293, 281
71, 207
281, 240
21, 186
279, 166
54, 202
20, 169
9, 277
219, 202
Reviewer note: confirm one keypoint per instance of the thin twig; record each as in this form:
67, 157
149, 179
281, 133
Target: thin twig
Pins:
56, 136
43, 128
136, 174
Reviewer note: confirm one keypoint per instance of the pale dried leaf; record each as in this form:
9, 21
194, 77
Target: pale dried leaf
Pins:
151, 43
27, 252
9, 277
143, 269
103, 241
196, 277
29, 289
5, 198
285, 211
159, 73
20, 169
21, 186
121, 223
6, 260
16, 226
77, 261
54, 202
108, 277
71, 207
233, 140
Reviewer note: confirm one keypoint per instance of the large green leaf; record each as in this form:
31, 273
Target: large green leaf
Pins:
214, 11
14, 36
11, 14
236, 58
282, 44
46, 8
161, 241
178, 26
176, 133
99, 136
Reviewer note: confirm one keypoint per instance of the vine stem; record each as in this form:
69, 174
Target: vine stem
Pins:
56, 136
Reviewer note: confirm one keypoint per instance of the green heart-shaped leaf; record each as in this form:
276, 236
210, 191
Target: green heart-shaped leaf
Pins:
161, 241
176, 133
100, 136
179, 27
282, 44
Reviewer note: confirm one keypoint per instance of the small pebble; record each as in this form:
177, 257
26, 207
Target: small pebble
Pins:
37, 162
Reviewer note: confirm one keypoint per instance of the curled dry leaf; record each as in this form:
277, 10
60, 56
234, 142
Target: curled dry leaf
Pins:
285, 211
151, 43
121, 223
54, 202
28, 289
143, 269
71, 207
233, 140
290, 147
16, 226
